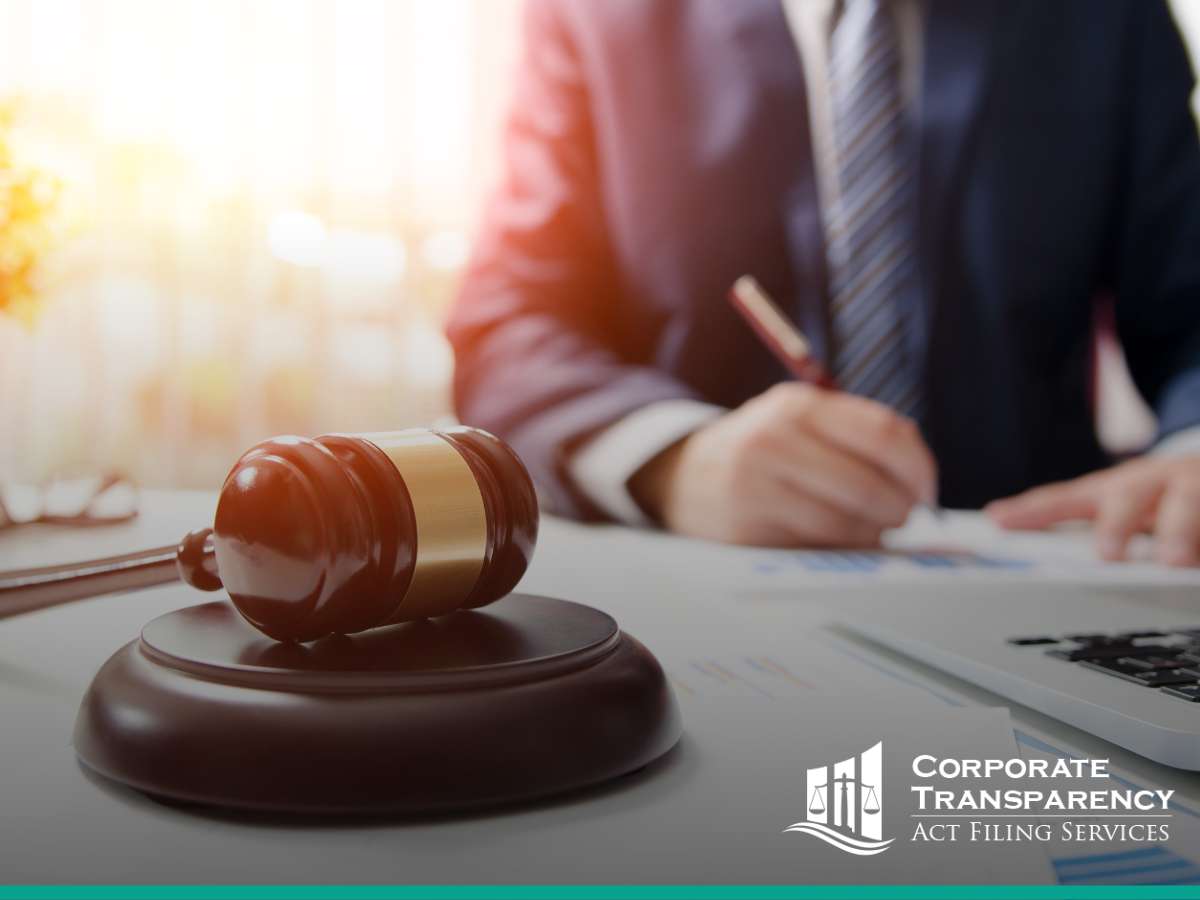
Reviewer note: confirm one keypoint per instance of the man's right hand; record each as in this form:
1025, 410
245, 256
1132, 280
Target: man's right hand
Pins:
795, 466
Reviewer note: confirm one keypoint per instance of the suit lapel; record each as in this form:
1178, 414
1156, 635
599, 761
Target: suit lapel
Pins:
770, 62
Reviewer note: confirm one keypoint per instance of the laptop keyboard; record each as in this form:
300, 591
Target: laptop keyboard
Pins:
1168, 661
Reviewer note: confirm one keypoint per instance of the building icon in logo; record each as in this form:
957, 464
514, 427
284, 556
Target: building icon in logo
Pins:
845, 804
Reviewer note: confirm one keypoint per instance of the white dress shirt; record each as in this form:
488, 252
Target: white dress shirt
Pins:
602, 467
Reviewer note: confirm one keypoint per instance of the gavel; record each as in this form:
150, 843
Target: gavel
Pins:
336, 534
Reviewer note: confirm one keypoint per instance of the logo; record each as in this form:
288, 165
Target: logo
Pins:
845, 806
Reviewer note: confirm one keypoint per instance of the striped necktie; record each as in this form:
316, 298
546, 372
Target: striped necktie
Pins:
871, 244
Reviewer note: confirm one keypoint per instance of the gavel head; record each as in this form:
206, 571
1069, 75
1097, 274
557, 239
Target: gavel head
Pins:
346, 532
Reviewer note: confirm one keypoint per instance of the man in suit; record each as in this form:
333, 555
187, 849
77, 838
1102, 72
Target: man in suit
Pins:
937, 192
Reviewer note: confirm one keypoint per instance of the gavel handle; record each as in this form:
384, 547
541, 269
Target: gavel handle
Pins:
28, 590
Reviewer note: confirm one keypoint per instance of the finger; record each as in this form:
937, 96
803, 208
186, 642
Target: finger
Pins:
890, 442
840, 479
1044, 506
785, 516
1034, 512
813, 523
1177, 529
1121, 511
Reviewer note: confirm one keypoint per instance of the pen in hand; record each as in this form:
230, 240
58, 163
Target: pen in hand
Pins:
787, 342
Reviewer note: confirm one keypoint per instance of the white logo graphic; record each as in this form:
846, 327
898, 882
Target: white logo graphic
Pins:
845, 807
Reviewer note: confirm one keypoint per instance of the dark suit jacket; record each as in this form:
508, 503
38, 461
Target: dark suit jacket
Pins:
657, 149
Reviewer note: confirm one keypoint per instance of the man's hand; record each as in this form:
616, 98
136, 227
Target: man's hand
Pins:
795, 466
1154, 493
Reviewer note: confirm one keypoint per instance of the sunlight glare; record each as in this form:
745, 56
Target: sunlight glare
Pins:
297, 237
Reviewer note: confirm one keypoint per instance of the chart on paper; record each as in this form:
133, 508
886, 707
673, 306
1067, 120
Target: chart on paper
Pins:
865, 562
962, 547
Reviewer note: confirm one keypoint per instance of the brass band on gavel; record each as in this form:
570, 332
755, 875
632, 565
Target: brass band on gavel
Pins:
346, 532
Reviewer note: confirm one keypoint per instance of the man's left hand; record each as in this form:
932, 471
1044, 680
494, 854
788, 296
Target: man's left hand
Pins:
1157, 494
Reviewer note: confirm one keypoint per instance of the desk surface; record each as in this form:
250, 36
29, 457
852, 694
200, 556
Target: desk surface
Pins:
59, 824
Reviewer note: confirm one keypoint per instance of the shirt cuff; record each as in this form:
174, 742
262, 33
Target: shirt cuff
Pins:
602, 467
1185, 442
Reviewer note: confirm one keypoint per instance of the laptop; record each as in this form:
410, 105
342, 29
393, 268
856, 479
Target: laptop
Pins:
1121, 666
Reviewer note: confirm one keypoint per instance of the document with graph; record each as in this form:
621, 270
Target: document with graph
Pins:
965, 546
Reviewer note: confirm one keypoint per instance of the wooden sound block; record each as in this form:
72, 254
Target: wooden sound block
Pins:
528, 697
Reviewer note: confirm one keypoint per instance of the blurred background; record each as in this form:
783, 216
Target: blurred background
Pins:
262, 211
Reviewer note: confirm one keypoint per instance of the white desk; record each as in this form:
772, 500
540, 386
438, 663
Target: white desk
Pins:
59, 824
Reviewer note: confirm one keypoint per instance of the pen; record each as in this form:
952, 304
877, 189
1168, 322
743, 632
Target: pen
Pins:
781, 336
784, 339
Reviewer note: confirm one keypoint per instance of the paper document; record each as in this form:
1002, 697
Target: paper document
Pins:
966, 546
959, 547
